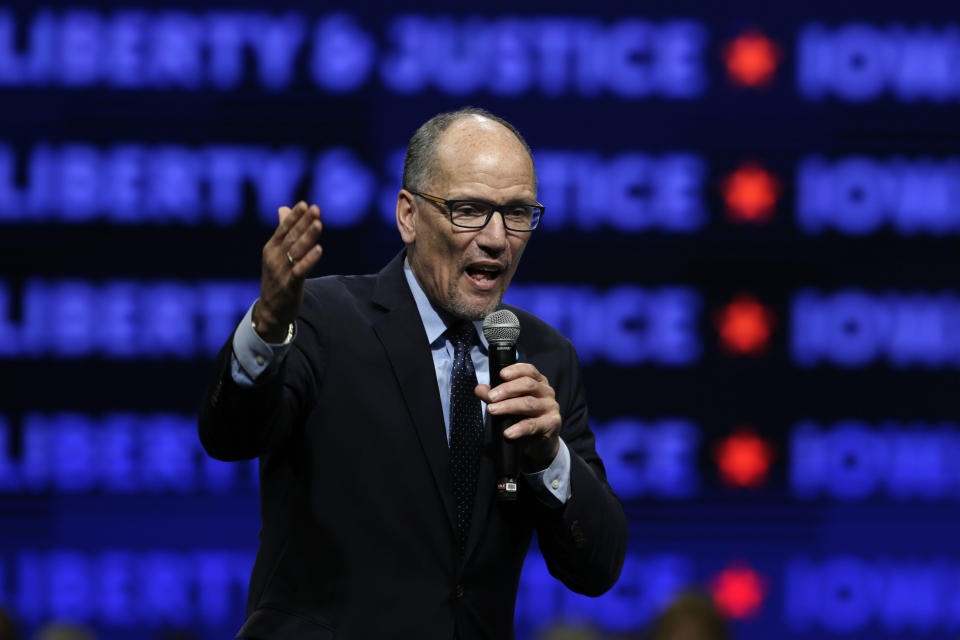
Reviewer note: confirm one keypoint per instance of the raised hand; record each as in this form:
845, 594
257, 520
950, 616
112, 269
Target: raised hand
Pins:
289, 255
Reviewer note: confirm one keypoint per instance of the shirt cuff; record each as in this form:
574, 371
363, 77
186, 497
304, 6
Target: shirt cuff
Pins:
252, 357
553, 483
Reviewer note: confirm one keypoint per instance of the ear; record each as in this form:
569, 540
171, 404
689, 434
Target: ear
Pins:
406, 216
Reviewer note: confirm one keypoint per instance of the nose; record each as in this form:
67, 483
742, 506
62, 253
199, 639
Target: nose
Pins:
493, 237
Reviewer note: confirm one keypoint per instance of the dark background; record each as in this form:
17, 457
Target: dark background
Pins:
825, 566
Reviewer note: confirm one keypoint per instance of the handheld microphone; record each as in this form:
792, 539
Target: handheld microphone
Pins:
501, 329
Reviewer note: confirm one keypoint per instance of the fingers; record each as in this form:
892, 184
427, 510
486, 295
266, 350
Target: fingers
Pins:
522, 406
306, 220
482, 391
293, 247
284, 212
521, 395
543, 427
527, 394
303, 266
309, 234
520, 387
521, 369
288, 218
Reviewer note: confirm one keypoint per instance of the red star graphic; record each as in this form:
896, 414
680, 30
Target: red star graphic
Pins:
744, 458
744, 326
750, 193
751, 59
738, 591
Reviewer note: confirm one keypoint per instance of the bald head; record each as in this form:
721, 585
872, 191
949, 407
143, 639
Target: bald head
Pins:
477, 154
466, 126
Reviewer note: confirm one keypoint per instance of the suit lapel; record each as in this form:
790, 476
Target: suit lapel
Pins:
400, 331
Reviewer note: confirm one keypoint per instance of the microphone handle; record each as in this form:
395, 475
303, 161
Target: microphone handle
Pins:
503, 354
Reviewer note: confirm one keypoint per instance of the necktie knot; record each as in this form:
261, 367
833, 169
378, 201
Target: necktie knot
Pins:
463, 335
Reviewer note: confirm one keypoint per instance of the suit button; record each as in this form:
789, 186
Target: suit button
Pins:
579, 539
260, 360
459, 591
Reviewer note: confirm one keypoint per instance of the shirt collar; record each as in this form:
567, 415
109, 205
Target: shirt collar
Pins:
432, 322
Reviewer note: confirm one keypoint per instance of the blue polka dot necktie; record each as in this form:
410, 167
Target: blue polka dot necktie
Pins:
466, 427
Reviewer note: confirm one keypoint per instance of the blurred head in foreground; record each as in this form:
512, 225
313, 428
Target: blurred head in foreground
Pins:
563, 631
8, 631
692, 616
62, 631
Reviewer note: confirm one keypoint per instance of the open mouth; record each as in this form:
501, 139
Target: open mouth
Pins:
484, 276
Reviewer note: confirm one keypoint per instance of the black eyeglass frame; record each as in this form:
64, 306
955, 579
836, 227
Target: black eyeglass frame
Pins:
449, 204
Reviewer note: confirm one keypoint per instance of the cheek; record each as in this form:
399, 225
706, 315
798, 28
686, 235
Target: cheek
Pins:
517, 245
445, 261
444, 244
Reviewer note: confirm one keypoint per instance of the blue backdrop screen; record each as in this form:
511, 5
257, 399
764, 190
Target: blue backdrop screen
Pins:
751, 230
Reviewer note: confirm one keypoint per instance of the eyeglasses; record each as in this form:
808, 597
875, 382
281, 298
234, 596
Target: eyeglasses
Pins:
475, 214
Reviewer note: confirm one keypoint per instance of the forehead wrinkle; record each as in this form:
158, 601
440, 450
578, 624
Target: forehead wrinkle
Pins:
520, 192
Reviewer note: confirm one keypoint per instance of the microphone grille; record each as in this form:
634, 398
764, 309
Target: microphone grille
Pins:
501, 326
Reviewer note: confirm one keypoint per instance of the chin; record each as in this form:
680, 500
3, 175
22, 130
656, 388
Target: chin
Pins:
472, 310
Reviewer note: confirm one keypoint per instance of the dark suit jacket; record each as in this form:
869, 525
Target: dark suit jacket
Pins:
358, 532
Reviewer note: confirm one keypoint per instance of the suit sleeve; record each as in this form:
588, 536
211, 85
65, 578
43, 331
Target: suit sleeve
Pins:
240, 422
584, 541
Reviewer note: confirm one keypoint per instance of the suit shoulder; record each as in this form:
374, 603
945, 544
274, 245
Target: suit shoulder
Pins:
353, 285
337, 293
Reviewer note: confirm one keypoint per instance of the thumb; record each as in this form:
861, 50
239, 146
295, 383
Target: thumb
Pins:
283, 212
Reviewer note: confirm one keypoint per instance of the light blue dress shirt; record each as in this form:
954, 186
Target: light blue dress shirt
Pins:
253, 358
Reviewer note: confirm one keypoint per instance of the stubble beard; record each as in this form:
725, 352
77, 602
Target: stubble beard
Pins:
456, 306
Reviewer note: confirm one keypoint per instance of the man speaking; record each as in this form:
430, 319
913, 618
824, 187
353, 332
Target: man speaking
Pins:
364, 397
